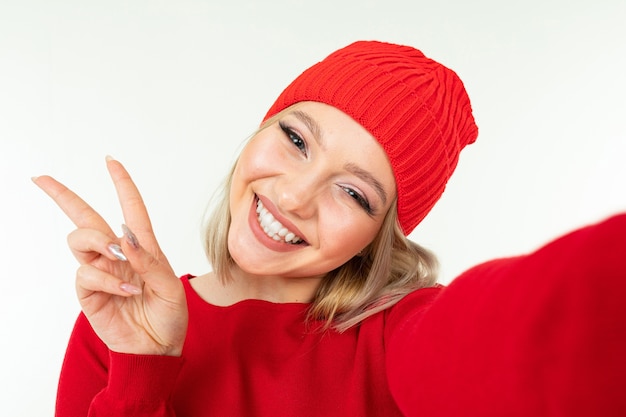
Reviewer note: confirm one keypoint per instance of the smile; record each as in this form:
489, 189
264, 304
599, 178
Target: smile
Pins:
273, 228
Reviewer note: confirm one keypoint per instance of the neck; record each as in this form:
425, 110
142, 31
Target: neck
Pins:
245, 286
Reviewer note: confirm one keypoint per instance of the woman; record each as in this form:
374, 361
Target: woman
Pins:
317, 300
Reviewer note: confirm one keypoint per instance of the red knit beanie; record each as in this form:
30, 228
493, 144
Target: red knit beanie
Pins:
416, 108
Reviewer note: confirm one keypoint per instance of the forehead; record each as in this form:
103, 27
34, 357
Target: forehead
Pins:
328, 119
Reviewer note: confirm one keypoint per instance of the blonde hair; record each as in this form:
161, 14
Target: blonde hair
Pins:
389, 268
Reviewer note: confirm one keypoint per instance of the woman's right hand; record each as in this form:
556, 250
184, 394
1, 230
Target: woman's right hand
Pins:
133, 300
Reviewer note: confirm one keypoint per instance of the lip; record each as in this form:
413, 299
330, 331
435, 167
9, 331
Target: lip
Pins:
263, 237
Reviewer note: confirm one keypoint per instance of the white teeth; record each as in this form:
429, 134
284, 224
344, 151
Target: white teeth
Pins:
273, 228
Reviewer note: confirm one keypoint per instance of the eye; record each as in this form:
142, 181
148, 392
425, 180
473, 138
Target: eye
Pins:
362, 201
297, 141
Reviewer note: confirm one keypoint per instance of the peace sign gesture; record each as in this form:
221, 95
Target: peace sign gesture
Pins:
125, 286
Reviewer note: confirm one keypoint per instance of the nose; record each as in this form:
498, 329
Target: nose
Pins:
297, 194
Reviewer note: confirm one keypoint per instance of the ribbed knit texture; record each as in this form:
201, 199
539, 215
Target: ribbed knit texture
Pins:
416, 108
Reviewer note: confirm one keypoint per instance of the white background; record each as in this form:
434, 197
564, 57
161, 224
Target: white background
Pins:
171, 88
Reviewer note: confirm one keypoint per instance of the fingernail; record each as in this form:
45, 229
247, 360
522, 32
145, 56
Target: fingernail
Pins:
130, 288
116, 250
34, 179
130, 237
109, 158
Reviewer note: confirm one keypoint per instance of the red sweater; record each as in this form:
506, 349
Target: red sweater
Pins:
541, 334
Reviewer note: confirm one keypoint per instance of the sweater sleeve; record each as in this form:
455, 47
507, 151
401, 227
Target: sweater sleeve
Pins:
542, 334
96, 382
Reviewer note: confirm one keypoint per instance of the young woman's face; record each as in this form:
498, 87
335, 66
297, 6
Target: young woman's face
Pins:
308, 193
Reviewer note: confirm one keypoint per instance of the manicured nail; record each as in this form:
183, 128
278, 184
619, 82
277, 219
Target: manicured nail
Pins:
116, 250
130, 288
109, 158
34, 179
130, 237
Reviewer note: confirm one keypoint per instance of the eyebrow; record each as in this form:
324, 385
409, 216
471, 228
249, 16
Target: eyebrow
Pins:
312, 125
369, 178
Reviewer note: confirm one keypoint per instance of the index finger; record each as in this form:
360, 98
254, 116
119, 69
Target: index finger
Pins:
74, 207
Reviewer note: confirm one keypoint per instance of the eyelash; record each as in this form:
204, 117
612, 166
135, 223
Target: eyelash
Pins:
299, 143
362, 201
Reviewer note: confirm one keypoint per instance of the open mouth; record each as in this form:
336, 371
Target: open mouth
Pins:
273, 228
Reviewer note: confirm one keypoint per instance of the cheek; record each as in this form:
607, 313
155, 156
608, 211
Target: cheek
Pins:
346, 231
257, 160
